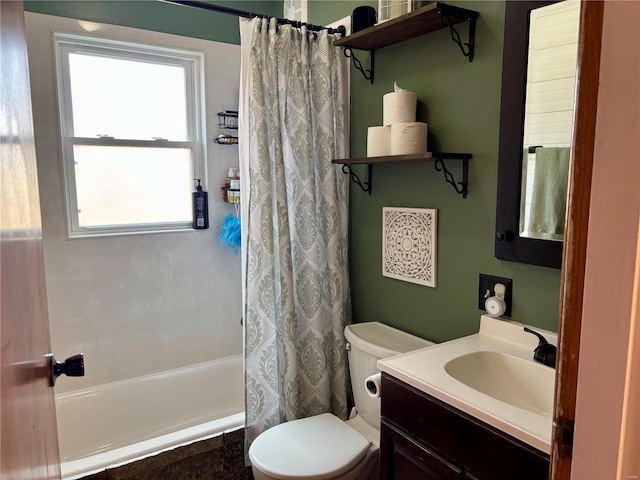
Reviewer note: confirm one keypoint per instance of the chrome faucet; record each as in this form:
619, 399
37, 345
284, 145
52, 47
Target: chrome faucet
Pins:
545, 352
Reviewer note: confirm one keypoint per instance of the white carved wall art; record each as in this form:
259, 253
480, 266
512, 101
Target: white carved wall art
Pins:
409, 248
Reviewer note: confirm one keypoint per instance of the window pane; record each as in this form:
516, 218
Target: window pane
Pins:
127, 99
132, 185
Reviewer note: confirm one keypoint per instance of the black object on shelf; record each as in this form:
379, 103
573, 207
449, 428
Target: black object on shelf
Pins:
363, 17
430, 18
439, 164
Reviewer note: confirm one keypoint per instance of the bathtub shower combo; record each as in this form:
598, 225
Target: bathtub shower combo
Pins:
131, 419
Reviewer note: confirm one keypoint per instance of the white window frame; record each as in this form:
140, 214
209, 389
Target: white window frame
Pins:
192, 62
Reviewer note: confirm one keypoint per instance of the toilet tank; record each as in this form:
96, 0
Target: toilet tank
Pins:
369, 342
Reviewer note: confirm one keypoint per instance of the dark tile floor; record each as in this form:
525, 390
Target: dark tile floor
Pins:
218, 458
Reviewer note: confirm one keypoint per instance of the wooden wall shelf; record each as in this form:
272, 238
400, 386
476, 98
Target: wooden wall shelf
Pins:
437, 158
430, 18
413, 24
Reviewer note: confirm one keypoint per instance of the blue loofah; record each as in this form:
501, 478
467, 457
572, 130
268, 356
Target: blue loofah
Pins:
230, 233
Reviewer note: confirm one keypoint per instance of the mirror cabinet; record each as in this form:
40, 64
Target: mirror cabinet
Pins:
536, 124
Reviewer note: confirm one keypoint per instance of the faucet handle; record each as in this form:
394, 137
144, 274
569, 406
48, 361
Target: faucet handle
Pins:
545, 352
542, 340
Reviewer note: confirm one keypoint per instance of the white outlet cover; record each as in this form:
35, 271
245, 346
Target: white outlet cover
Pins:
409, 248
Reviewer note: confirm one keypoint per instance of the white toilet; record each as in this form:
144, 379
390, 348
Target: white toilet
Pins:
324, 447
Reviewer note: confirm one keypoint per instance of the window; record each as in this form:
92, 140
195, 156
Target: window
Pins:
132, 129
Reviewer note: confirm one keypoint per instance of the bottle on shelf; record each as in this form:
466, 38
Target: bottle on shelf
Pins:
235, 189
231, 175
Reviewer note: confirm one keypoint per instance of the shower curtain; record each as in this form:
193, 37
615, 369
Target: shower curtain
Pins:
293, 121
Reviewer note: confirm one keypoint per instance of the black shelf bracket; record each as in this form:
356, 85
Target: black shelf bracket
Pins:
437, 158
366, 186
459, 187
467, 49
367, 74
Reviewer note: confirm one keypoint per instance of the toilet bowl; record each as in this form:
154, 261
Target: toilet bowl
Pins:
319, 447
324, 447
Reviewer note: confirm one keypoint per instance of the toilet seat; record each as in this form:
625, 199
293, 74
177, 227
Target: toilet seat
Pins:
313, 448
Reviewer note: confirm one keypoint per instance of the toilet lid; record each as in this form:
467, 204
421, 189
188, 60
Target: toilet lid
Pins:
312, 448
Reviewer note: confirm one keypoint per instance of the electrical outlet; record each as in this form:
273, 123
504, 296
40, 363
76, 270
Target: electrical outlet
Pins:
486, 290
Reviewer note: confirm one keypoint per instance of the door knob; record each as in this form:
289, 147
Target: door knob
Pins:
71, 367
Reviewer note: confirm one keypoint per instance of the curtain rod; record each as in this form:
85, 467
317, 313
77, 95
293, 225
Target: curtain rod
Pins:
242, 13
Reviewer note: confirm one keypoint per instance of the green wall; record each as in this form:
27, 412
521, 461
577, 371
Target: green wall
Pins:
159, 16
460, 101
323, 12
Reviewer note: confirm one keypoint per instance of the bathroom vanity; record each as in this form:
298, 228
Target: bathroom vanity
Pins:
422, 437
478, 407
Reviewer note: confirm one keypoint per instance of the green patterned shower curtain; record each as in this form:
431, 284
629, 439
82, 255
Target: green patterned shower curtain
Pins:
294, 121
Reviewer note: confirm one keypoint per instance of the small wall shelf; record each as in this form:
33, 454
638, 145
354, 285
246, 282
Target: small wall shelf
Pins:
226, 140
235, 199
227, 120
427, 19
437, 158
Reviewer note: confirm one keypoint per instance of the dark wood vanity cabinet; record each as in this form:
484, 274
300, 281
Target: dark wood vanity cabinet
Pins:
422, 438
405, 457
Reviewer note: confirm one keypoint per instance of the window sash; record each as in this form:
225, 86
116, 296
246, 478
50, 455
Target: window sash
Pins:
190, 61
75, 229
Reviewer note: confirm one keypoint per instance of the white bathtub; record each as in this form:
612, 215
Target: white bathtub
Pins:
130, 419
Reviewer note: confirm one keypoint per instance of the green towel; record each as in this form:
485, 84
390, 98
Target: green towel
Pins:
549, 192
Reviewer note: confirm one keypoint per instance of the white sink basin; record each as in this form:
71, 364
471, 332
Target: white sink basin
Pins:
490, 375
509, 379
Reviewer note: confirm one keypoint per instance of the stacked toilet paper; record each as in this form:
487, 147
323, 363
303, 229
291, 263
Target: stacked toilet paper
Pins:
399, 106
401, 134
379, 141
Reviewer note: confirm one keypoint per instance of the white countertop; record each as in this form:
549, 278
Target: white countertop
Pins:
424, 369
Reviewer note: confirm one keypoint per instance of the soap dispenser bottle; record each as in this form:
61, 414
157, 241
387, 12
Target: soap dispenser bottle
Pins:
200, 208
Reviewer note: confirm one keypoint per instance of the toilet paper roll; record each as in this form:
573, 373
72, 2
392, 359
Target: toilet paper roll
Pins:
399, 107
379, 141
372, 385
408, 138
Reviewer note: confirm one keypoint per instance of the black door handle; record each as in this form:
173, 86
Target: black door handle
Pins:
71, 367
